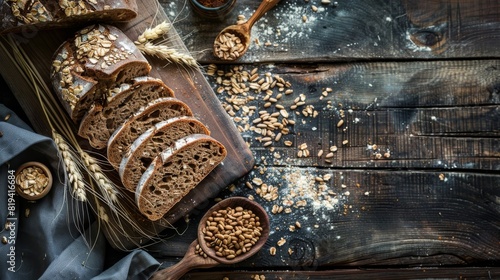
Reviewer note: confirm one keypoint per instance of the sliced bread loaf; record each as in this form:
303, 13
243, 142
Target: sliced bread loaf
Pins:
97, 59
156, 111
152, 142
123, 101
175, 172
34, 15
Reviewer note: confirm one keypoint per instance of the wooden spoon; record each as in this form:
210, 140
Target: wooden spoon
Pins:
193, 260
243, 30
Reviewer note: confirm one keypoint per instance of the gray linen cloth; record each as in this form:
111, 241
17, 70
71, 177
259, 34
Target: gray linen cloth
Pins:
47, 242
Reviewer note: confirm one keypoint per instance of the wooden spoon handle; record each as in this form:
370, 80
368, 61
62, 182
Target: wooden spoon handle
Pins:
191, 260
265, 6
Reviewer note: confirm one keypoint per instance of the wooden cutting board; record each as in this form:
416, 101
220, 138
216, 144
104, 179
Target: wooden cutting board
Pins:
189, 85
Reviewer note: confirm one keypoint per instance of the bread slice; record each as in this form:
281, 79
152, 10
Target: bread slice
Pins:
156, 111
152, 142
97, 59
175, 172
123, 101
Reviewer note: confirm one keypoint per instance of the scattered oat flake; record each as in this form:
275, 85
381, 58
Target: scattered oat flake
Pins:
442, 177
272, 251
281, 242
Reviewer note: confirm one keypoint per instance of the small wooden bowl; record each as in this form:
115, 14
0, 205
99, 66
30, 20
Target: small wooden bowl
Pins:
192, 259
234, 202
39, 174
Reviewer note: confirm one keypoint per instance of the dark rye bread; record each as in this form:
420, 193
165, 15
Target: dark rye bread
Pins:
156, 111
175, 172
152, 142
32, 15
97, 59
123, 101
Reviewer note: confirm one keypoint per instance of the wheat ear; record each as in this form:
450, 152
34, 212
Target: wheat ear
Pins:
153, 33
70, 161
107, 187
159, 49
167, 53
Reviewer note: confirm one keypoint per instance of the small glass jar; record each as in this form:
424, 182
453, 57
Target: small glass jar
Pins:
215, 9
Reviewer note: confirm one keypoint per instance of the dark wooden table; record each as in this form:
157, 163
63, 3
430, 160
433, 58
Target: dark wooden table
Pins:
407, 91
413, 189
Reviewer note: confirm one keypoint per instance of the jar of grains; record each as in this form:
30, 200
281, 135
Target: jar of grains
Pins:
215, 9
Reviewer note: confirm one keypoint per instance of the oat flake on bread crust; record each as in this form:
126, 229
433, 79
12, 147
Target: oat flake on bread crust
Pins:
97, 59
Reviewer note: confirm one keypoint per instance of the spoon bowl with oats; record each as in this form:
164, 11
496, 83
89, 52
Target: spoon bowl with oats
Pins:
231, 231
234, 40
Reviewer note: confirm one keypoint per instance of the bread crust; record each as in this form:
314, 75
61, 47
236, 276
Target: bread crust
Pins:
97, 59
33, 15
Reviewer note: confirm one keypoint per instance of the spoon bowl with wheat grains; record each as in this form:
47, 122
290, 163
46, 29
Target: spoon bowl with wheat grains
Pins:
234, 40
231, 231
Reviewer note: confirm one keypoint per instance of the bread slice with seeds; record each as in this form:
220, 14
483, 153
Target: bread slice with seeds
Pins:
175, 172
97, 59
156, 111
123, 101
152, 142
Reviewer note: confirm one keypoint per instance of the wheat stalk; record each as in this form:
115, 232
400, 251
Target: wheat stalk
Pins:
108, 189
74, 174
103, 215
167, 53
160, 49
153, 33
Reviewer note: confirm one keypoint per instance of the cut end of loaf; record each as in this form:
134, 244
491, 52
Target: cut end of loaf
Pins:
176, 172
97, 137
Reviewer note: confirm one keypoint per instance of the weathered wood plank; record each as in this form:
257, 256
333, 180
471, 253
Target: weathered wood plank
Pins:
434, 200
374, 217
347, 274
439, 114
353, 30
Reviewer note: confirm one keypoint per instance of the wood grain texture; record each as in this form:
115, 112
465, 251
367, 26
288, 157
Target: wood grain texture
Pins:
188, 84
435, 200
353, 30
347, 274
377, 218
428, 115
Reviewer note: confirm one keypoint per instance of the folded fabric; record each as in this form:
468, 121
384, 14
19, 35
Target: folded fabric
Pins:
54, 237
